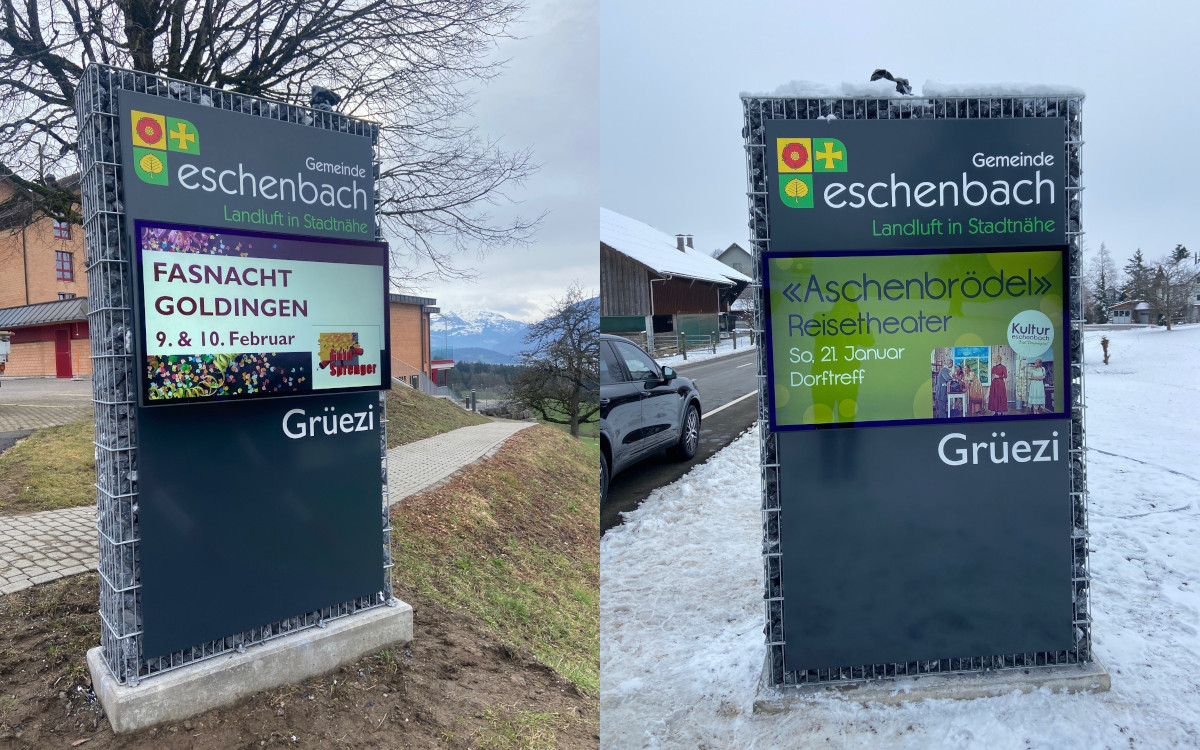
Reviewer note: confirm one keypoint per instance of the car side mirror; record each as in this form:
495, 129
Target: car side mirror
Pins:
668, 374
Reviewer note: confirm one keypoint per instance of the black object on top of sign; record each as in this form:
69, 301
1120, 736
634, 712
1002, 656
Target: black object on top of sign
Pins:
192, 164
237, 315
892, 184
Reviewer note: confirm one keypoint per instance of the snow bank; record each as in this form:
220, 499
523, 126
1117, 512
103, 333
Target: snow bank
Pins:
881, 89
937, 88
724, 349
681, 595
885, 89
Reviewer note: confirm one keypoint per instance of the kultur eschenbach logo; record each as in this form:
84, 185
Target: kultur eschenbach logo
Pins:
153, 137
799, 158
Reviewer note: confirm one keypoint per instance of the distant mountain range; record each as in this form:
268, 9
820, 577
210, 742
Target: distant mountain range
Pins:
480, 336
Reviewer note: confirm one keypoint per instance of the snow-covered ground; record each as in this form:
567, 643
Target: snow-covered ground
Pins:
682, 615
724, 349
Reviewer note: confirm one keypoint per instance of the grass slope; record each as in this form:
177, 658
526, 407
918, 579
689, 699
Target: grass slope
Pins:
413, 415
512, 540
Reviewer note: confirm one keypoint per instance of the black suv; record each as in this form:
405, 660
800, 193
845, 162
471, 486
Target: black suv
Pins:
643, 409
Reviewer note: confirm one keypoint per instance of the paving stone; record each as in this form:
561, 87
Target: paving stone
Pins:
418, 466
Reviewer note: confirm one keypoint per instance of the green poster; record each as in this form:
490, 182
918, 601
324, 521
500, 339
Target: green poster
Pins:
860, 339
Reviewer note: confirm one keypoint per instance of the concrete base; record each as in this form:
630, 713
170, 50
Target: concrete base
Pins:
1080, 678
220, 681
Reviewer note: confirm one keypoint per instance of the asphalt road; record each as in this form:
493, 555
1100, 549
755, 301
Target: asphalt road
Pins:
9, 439
721, 382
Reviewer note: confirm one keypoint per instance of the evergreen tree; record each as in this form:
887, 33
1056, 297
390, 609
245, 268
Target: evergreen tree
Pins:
1180, 253
1138, 278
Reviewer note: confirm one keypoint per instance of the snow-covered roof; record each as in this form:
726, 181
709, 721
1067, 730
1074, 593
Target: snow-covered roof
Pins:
659, 252
885, 89
1142, 306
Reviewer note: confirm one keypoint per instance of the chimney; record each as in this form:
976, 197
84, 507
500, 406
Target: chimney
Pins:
689, 240
679, 242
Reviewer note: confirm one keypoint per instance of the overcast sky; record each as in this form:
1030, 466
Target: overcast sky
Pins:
544, 99
670, 116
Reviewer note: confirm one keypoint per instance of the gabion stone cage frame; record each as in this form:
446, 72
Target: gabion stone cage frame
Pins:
756, 111
114, 379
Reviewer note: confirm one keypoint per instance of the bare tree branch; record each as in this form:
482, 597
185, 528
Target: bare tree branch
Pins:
402, 63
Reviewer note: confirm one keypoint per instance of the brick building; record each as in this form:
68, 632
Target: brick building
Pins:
43, 293
411, 352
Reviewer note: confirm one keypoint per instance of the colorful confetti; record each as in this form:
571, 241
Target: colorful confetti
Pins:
219, 376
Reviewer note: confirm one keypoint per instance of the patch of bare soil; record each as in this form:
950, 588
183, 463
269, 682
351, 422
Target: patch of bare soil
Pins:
452, 687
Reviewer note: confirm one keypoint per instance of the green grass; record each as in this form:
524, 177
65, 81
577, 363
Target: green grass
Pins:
512, 729
513, 542
589, 429
413, 416
53, 468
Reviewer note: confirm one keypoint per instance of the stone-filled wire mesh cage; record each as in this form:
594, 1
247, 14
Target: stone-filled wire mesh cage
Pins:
109, 268
757, 110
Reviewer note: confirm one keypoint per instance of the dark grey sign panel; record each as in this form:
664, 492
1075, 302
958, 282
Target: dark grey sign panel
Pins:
895, 184
255, 512
925, 542
190, 164
252, 512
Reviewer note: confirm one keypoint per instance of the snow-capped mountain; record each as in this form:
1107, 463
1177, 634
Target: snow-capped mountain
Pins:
477, 329
482, 336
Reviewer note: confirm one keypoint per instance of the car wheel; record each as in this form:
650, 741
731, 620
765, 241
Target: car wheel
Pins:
689, 436
603, 479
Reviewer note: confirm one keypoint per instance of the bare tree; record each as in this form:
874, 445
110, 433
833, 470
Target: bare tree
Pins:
1174, 279
560, 370
402, 63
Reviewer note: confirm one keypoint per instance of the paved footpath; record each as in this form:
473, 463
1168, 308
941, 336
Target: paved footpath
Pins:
40, 547
419, 466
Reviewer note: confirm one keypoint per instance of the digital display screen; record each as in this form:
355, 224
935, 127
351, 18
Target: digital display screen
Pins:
910, 337
247, 315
